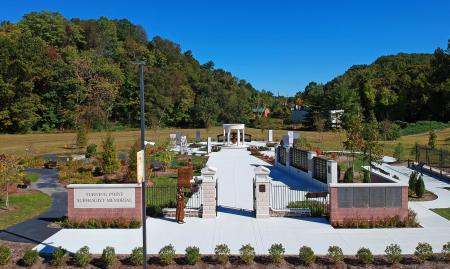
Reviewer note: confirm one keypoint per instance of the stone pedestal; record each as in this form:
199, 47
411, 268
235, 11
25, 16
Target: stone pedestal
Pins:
209, 194
262, 197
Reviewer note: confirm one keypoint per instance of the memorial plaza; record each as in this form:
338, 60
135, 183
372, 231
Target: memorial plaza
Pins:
236, 225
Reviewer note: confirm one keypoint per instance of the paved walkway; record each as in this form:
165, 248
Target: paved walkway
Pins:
235, 224
36, 230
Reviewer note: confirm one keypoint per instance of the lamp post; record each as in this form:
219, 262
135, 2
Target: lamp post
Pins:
144, 213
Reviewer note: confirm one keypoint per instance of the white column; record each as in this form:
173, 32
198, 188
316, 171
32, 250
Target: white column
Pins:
332, 172
311, 155
262, 185
239, 137
243, 136
224, 136
228, 137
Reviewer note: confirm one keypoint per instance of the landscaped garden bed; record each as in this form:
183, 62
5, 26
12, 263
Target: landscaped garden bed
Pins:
12, 255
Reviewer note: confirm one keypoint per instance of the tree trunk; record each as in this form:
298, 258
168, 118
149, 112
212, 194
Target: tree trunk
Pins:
7, 196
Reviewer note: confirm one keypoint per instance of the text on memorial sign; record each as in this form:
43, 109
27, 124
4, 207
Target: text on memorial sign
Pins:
104, 198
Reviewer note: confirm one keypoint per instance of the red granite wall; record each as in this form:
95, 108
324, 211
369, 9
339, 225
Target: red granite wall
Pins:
338, 215
81, 214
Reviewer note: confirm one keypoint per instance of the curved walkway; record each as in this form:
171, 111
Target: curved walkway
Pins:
37, 229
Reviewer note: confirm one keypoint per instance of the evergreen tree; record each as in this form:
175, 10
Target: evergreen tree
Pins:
110, 164
420, 187
132, 160
348, 176
398, 152
366, 177
432, 137
81, 140
412, 182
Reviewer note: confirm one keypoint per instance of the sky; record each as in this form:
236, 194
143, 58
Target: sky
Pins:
275, 45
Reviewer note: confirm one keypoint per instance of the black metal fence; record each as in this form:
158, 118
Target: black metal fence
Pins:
320, 169
284, 197
434, 158
282, 155
166, 196
299, 159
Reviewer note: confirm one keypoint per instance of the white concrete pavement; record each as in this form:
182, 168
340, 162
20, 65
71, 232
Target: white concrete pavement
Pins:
236, 227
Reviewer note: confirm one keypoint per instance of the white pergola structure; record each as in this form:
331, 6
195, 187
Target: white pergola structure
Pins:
227, 128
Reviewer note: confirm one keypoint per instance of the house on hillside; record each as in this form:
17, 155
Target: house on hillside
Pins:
336, 118
299, 114
261, 111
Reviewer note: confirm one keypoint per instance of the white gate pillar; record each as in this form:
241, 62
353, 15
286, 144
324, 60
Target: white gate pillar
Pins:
209, 194
261, 191
332, 172
311, 155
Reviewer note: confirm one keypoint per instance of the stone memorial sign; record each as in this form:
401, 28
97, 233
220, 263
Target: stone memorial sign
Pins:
178, 137
270, 136
209, 145
197, 136
285, 140
104, 198
104, 201
291, 137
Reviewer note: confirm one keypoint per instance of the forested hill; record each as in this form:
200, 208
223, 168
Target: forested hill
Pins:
406, 87
57, 73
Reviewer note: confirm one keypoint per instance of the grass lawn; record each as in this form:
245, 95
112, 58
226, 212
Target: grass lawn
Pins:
447, 188
26, 206
444, 212
31, 177
42, 143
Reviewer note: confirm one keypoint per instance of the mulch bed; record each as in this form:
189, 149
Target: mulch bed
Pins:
427, 196
437, 262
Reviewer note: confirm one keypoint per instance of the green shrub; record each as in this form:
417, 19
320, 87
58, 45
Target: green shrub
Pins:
364, 256
446, 250
420, 187
393, 253
109, 257
306, 255
137, 256
412, 182
247, 254
30, 257
5, 255
348, 176
82, 257
59, 257
276, 252
222, 253
335, 254
423, 251
366, 176
167, 255
193, 255
91, 151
